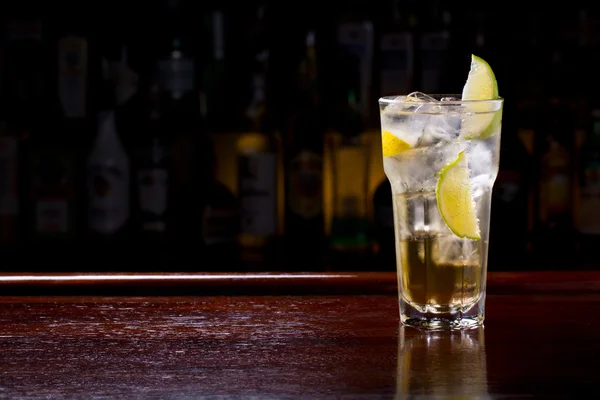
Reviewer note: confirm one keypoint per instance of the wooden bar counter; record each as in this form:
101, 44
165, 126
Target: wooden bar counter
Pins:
290, 336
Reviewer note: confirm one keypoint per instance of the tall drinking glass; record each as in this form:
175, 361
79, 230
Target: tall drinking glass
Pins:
441, 156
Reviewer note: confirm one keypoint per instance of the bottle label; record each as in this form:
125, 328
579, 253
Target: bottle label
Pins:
153, 187
109, 198
52, 216
433, 48
350, 206
306, 185
258, 194
396, 63
177, 76
52, 191
219, 225
72, 64
9, 204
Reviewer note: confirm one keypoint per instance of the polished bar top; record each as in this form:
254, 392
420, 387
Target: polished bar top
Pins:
540, 340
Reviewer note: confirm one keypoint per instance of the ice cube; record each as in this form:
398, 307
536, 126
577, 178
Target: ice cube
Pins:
403, 120
441, 128
480, 160
410, 172
449, 98
420, 120
448, 250
481, 167
451, 250
420, 96
416, 170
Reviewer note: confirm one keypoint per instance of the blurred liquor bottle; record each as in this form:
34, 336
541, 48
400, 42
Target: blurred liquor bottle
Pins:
22, 38
528, 131
9, 198
509, 222
214, 99
304, 218
78, 59
220, 222
355, 40
528, 112
179, 79
554, 235
258, 153
587, 202
383, 227
152, 175
139, 120
396, 50
352, 111
220, 216
47, 178
109, 222
434, 46
62, 129
51, 181
350, 239
2, 55
396, 76
259, 158
23, 76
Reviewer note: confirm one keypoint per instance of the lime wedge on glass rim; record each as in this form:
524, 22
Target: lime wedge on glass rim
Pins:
481, 85
455, 201
453, 190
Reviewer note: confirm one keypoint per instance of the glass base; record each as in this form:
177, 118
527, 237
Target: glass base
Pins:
432, 319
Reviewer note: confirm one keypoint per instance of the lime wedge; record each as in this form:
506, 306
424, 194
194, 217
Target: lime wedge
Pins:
481, 85
392, 145
481, 82
455, 201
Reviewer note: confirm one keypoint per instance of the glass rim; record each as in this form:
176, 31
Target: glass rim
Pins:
395, 99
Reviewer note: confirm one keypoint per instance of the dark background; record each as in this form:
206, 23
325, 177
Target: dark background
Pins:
187, 121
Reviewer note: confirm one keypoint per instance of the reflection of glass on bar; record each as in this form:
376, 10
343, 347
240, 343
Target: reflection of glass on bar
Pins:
442, 364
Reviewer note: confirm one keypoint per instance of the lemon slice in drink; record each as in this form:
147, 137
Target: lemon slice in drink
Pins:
392, 145
481, 85
455, 202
